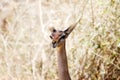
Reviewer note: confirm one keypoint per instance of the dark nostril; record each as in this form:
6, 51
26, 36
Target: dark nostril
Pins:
54, 44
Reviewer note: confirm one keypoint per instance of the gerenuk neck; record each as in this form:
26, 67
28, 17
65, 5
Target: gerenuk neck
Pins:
62, 63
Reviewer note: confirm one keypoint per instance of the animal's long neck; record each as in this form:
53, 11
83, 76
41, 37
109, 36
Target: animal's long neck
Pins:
62, 63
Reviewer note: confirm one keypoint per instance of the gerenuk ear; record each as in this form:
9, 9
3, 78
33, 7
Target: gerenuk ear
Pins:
70, 29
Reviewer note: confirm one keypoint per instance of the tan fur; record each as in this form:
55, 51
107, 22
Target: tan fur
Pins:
58, 40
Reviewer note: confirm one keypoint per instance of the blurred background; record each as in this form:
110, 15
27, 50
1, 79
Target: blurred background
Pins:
93, 48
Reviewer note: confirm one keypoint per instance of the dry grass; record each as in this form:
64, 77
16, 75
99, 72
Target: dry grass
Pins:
93, 49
